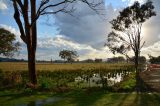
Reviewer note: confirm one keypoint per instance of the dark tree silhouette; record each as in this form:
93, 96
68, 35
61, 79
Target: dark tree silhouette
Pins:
154, 60
68, 55
8, 45
116, 59
126, 32
26, 14
141, 59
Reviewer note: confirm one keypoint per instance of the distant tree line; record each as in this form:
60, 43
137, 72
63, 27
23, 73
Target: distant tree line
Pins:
153, 59
118, 59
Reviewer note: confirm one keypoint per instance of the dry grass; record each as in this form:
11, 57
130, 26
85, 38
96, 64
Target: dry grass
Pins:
19, 66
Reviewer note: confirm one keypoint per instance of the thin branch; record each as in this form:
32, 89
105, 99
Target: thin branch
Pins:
94, 5
54, 5
142, 44
42, 8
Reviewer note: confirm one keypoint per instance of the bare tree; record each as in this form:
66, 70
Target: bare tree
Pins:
26, 14
126, 34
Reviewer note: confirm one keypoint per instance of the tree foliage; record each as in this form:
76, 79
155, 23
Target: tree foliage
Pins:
126, 34
116, 59
141, 59
68, 55
153, 59
8, 43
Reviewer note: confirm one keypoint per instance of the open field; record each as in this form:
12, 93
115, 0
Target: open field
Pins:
50, 76
22, 66
57, 86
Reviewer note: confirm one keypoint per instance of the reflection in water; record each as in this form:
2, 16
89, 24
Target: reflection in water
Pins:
41, 102
97, 78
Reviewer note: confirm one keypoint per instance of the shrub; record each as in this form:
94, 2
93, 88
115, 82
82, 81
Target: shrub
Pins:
28, 91
46, 82
127, 85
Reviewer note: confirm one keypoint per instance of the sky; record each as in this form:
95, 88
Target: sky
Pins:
85, 33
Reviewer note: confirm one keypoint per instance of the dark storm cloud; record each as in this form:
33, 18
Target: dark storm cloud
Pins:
88, 28
91, 29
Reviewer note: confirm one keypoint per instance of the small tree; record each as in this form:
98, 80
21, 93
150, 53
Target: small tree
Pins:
8, 45
68, 55
126, 32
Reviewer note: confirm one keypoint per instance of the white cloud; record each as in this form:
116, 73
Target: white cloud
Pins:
153, 50
10, 28
130, 2
3, 6
50, 47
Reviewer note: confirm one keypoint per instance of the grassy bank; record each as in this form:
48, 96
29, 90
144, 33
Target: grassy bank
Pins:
109, 99
81, 98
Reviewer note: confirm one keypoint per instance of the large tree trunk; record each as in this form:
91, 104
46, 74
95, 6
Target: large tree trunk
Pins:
137, 71
31, 65
32, 44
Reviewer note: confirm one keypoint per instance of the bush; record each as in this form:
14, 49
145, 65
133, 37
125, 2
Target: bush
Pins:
46, 82
127, 85
28, 91
11, 79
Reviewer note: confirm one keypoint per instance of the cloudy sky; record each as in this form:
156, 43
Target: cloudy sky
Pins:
86, 32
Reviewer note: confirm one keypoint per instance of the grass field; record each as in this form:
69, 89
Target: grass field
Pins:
55, 75
19, 66
58, 88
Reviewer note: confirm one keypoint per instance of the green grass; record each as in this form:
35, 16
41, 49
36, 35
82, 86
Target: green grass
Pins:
82, 98
100, 98
13, 98
128, 84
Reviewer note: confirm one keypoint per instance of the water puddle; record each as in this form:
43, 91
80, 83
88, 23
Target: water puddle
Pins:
97, 79
42, 102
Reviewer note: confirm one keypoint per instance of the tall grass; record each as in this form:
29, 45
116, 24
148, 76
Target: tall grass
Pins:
19, 66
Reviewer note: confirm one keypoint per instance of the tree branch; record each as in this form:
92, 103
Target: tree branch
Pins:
18, 21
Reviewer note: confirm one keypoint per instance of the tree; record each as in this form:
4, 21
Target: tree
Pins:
126, 34
68, 55
153, 59
98, 60
26, 14
116, 59
141, 59
8, 45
